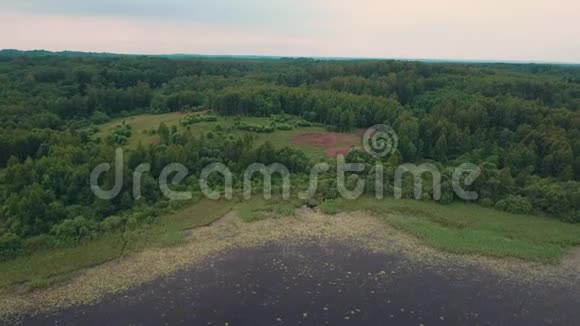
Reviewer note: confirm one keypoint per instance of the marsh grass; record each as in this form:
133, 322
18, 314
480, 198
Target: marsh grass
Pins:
471, 229
172, 238
284, 210
250, 215
46, 282
258, 209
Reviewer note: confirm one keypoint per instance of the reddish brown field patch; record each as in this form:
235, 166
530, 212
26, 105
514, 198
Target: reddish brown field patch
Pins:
333, 142
326, 139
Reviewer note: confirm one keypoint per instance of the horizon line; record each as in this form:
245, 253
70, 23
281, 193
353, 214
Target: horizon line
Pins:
326, 58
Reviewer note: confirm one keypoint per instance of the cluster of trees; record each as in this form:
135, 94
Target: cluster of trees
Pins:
48, 199
120, 134
340, 111
495, 187
193, 118
520, 123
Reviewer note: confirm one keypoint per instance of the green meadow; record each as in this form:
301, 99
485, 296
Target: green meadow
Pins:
143, 125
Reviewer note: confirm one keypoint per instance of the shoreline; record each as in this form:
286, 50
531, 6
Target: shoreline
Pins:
360, 230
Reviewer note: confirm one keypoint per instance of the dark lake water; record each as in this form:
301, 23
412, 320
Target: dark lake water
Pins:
310, 285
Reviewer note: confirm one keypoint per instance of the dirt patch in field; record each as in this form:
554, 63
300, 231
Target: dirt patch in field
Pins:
326, 139
335, 143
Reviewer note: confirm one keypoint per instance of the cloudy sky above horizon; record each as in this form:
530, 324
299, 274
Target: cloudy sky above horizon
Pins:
520, 30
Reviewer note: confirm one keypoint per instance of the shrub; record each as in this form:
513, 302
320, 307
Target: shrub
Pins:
303, 123
575, 217
327, 189
10, 246
281, 117
120, 135
255, 128
99, 117
486, 202
132, 223
73, 231
249, 215
112, 223
329, 207
284, 210
515, 205
267, 129
193, 118
284, 126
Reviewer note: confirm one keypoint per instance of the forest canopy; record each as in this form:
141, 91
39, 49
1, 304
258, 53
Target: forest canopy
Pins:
519, 123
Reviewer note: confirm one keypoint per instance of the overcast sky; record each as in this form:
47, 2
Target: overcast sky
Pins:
520, 30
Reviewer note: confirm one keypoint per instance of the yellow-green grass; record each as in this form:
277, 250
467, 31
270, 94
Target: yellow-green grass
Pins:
168, 230
471, 229
258, 208
141, 124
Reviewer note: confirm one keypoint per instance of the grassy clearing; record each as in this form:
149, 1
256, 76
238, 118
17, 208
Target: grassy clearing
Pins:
471, 229
141, 124
43, 267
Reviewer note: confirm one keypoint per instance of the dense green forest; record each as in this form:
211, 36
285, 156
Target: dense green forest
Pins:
519, 123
